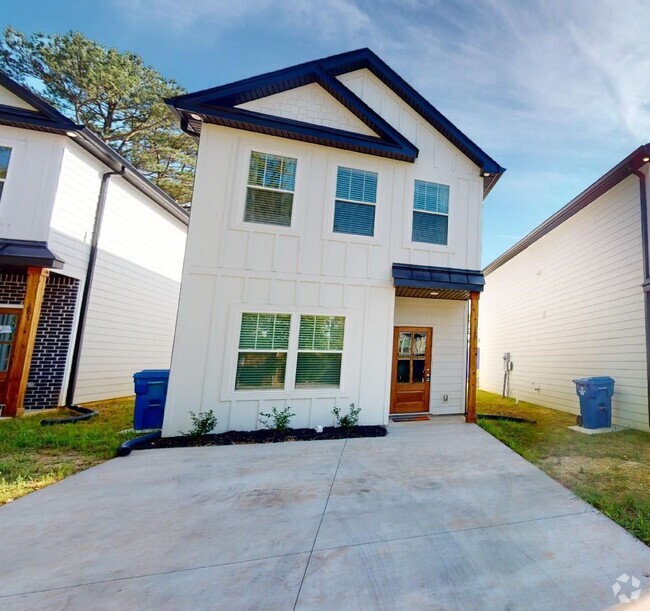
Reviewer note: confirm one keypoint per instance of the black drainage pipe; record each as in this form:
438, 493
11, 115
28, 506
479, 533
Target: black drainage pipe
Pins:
134, 444
85, 413
646, 272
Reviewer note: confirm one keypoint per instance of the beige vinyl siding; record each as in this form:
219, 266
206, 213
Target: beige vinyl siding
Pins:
571, 305
132, 309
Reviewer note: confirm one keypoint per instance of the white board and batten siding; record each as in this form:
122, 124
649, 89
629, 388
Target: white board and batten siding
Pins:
31, 184
233, 267
571, 305
132, 310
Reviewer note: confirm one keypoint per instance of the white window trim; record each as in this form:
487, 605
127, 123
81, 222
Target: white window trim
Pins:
17, 148
331, 199
289, 391
407, 235
237, 194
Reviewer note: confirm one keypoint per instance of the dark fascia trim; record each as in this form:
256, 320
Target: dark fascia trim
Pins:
49, 119
618, 173
41, 106
368, 59
305, 132
324, 71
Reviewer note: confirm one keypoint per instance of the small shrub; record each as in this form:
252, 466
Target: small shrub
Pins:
349, 420
277, 420
203, 423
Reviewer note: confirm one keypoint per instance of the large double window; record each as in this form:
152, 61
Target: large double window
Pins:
5, 155
270, 190
356, 196
265, 345
430, 213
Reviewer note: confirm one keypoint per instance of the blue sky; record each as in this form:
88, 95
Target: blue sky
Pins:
555, 93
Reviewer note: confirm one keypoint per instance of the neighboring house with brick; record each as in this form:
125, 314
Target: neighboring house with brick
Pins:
90, 261
333, 251
572, 299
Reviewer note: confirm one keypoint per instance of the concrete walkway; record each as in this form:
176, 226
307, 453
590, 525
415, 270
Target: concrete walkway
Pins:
434, 516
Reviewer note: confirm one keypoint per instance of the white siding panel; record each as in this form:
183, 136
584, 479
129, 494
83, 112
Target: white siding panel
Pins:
134, 299
31, 184
311, 104
569, 306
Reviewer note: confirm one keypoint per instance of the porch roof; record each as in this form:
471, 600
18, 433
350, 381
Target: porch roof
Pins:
27, 253
436, 282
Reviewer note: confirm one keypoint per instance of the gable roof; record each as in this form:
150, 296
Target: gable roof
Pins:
46, 118
218, 105
617, 174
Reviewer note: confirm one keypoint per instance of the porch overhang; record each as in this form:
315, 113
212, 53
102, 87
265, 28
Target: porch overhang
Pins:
27, 253
423, 281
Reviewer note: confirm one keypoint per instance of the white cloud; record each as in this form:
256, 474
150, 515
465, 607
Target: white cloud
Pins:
326, 19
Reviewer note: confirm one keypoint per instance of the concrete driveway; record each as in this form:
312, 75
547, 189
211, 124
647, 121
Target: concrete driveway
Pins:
431, 516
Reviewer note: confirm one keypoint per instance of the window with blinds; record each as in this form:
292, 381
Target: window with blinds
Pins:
320, 351
430, 213
354, 207
263, 346
270, 190
5, 154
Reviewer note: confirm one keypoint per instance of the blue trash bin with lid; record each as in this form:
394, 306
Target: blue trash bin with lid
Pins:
150, 387
595, 396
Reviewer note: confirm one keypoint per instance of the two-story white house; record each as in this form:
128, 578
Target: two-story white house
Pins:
332, 252
90, 261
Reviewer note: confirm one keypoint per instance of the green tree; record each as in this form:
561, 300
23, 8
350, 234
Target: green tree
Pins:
113, 93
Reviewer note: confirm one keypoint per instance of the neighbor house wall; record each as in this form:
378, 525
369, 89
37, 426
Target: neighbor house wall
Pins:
134, 298
571, 305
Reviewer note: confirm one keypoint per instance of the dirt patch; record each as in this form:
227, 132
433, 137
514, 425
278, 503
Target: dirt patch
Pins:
264, 436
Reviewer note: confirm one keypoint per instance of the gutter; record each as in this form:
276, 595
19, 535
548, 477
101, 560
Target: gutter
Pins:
643, 198
85, 412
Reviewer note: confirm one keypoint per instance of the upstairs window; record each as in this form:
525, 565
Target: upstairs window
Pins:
5, 154
263, 346
320, 351
271, 185
430, 213
356, 196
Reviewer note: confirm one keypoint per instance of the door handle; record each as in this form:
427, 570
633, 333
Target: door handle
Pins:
427, 376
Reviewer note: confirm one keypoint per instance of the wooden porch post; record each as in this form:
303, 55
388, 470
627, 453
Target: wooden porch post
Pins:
21, 358
473, 359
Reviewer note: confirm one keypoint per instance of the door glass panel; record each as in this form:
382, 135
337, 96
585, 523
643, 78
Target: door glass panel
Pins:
418, 370
404, 344
419, 344
403, 371
7, 329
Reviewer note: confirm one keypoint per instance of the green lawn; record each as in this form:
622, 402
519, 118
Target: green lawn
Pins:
33, 456
611, 471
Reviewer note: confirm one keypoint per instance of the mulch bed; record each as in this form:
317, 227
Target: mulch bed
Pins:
264, 436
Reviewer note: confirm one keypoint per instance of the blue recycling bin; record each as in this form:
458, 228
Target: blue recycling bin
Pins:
595, 396
150, 387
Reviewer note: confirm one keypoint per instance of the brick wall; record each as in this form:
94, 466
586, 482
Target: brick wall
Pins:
52, 336
12, 288
52, 342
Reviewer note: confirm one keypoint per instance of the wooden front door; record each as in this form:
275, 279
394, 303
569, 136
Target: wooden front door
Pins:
411, 370
9, 319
